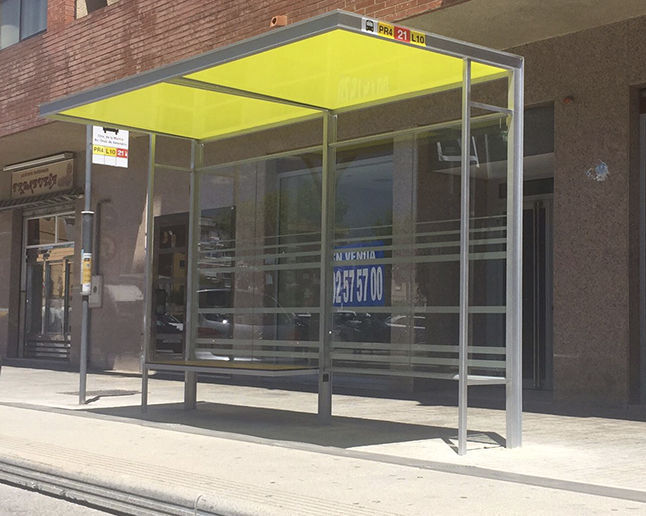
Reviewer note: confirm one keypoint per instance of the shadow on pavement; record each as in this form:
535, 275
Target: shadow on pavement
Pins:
428, 392
297, 427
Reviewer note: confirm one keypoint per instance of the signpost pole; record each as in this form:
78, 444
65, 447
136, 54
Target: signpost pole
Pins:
86, 265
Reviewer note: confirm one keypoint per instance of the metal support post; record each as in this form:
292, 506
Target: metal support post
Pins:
190, 377
463, 369
86, 265
148, 271
328, 182
514, 331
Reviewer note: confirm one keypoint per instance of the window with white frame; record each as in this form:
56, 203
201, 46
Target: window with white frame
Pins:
20, 19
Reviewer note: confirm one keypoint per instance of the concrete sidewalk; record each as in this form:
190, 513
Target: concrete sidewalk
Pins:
252, 450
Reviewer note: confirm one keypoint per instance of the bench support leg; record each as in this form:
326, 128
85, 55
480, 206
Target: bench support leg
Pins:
190, 390
325, 397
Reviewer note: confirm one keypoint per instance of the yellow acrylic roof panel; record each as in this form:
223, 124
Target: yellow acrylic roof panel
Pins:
329, 62
193, 113
341, 69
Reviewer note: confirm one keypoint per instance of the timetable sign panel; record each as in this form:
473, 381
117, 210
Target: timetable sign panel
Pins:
110, 146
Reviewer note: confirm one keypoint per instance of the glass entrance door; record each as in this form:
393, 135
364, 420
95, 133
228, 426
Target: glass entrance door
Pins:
48, 284
48, 302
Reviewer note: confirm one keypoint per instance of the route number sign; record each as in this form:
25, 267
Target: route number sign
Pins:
110, 146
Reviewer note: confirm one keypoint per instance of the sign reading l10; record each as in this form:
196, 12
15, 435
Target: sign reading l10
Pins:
362, 284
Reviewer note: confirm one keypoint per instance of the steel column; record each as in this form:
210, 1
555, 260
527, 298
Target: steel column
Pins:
87, 223
328, 182
190, 377
148, 283
514, 330
463, 369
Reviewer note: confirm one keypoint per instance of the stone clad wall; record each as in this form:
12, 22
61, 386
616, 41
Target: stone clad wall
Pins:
592, 276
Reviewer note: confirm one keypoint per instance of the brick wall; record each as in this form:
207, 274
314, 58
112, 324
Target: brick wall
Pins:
131, 36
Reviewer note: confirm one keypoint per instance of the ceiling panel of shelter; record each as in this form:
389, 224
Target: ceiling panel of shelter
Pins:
341, 69
188, 112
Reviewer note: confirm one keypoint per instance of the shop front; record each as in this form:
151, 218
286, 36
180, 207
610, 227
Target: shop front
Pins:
42, 200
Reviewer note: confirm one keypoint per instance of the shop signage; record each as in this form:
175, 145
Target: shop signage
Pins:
52, 177
386, 30
361, 284
110, 146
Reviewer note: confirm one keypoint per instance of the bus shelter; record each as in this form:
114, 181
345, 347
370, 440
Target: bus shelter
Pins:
295, 280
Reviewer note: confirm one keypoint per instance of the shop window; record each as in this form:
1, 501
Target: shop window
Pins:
20, 19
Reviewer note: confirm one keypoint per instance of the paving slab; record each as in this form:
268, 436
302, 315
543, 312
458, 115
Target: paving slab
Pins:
262, 450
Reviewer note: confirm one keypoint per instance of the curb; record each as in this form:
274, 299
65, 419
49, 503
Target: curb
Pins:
118, 499
562, 484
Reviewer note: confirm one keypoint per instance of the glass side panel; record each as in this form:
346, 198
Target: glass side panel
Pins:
169, 286
259, 265
397, 256
363, 257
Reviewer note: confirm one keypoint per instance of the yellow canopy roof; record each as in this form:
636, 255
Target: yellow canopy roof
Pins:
335, 62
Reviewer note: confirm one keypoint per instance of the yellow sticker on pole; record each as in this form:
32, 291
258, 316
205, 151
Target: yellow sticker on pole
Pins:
86, 273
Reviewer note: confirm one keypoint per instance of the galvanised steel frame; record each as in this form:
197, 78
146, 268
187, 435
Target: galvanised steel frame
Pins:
514, 67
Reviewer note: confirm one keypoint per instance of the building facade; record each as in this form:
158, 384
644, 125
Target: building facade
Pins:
583, 303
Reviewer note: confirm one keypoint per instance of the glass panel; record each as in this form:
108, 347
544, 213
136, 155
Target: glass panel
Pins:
259, 264
397, 255
9, 22
366, 292
35, 295
41, 231
65, 225
33, 17
55, 295
488, 247
169, 286
49, 292
69, 284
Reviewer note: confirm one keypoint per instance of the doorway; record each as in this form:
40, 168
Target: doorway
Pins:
48, 286
537, 294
